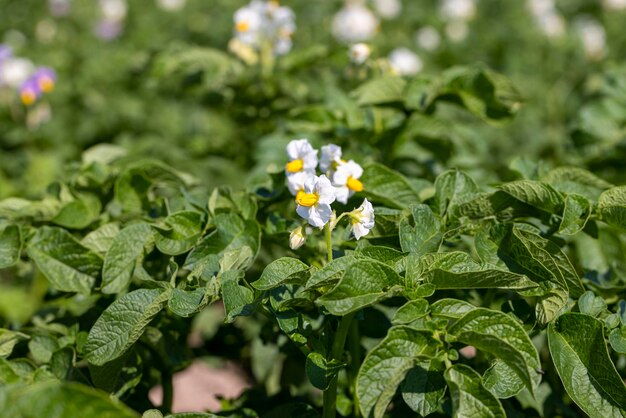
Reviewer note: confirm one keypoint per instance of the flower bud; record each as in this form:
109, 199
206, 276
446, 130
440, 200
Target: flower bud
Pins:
297, 238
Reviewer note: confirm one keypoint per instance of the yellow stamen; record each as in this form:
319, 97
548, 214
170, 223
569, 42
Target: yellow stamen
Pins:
28, 98
294, 166
307, 199
354, 184
242, 26
46, 85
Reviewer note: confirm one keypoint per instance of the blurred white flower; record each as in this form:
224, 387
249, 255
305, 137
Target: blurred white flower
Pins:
388, 9
15, 71
295, 181
354, 23
113, 10
302, 156
314, 203
457, 30
359, 53
614, 4
541, 7
362, 219
265, 23
405, 62
297, 238
458, 9
593, 37
171, 5
552, 25
346, 180
331, 157
428, 38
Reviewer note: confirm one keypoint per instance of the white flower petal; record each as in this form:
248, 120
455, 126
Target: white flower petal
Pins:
343, 194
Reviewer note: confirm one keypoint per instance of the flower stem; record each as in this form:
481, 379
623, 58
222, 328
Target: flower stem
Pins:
329, 241
168, 391
330, 394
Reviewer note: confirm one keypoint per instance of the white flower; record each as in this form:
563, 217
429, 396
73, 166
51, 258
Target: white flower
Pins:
428, 38
458, 9
541, 7
593, 37
354, 23
362, 219
552, 24
457, 30
388, 9
314, 203
615, 4
295, 181
359, 53
297, 238
113, 10
15, 71
405, 62
346, 180
331, 157
171, 5
302, 156
265, 23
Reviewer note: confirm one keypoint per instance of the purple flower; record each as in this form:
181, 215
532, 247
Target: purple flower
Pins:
5, 52
45, 77
108, 29
30, 91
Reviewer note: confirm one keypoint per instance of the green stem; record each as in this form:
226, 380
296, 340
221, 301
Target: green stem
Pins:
329, 241
330, 394
354, 345
168, 392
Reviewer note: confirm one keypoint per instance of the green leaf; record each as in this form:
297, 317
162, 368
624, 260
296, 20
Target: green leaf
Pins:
386, 255
452, 189
535, 193
331, 272
67, 265
574, 180
99, 241
232, 234
122, 323
575, 214
179, 232
612, 207
320, 371
278, 272
8, 340
54, 399
10, 245
410, 311
469, 397
387, 364
457, 270
186, 303
424, 387
617, 338
364, 283
424, 236
386, 89
591, 304
42, 347
79, 213
119, 262
502, 336
388, 187
579, 353
531, 255
237, 299
450, 308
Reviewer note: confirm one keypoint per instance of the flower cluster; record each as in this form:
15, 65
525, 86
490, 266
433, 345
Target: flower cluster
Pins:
314, 194
20, 74
265, 24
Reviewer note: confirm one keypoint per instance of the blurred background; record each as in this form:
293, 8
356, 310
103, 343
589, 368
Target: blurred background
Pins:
157, 79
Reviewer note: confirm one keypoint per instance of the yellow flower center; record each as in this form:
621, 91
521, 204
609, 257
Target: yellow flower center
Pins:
242, 26
354, 184
46, 85
294, 166
307, 199
28, 98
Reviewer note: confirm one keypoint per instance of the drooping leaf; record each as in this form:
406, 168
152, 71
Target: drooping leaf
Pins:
534, 193
575, 214
364, 283
186, 303
237, 299
387, 364
424, 387
125, 249
579, 353
68, 265
469, 397
280, 271
320, 371
122, 323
